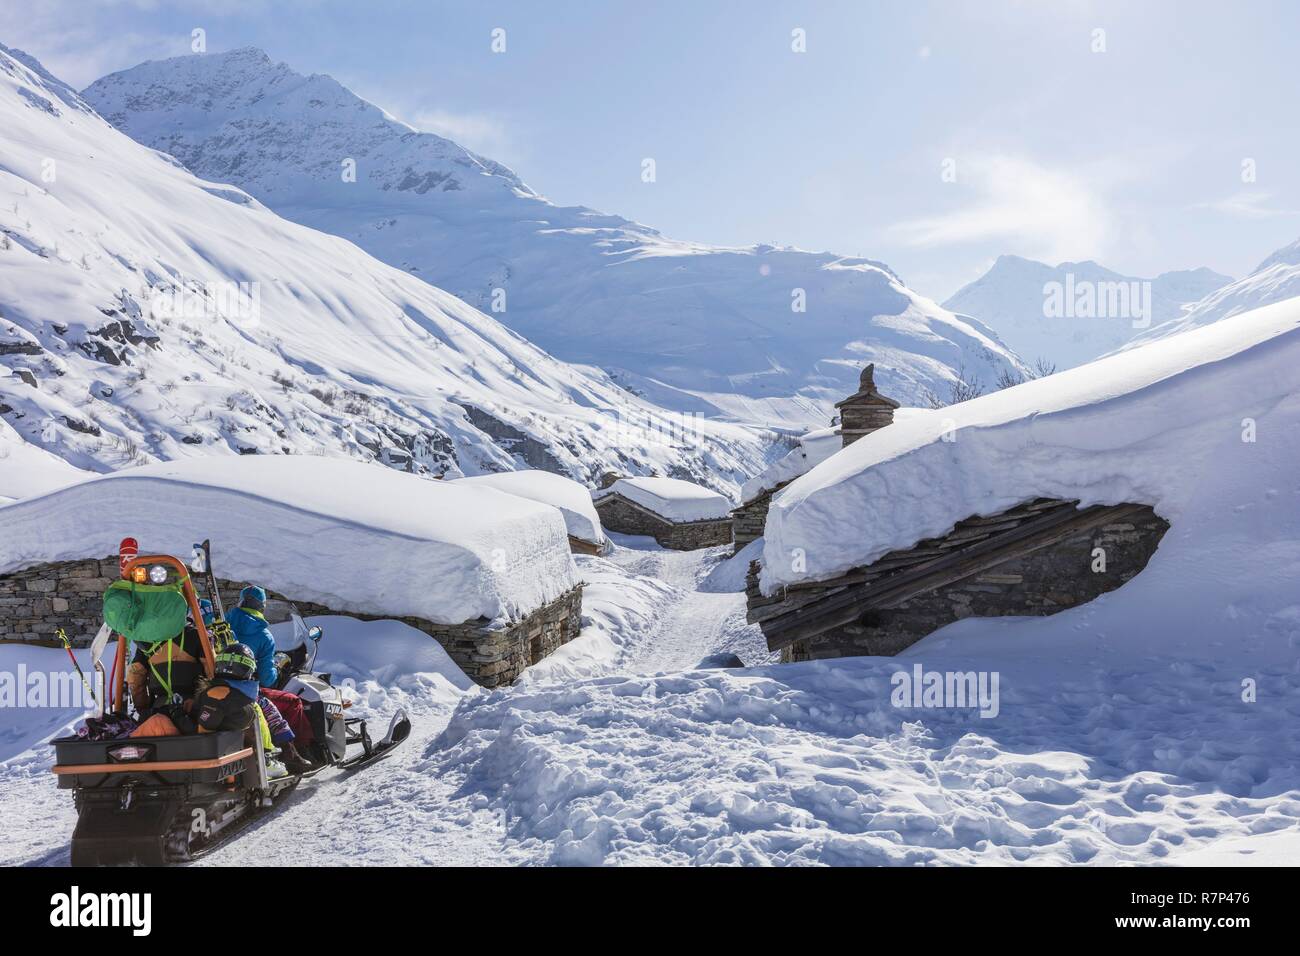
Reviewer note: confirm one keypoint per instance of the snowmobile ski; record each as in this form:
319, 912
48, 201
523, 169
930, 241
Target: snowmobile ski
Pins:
399, 728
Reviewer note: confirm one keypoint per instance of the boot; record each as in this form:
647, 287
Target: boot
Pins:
293, 761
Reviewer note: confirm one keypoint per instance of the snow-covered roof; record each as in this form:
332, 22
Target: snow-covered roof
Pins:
1201, 426
354, 537
671, 498
573, 499
813, 448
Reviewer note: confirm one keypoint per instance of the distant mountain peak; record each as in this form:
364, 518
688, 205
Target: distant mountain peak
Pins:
1273, 280
1014, 299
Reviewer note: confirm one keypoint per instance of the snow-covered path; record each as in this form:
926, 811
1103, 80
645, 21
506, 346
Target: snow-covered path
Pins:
617, 750
695, 625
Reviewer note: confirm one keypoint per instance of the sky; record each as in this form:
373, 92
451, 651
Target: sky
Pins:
934, 136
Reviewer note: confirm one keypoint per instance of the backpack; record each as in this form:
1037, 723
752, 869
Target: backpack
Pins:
147, 614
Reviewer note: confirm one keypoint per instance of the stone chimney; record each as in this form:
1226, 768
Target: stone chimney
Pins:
865, 410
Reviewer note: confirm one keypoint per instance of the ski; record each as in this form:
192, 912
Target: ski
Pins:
202, 563
399, 728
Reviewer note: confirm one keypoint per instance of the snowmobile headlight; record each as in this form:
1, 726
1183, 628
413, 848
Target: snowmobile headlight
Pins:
158, 574
139, 575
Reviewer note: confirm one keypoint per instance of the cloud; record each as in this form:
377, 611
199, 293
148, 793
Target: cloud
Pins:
482, 134
1247, 204
80, 46
1050, 213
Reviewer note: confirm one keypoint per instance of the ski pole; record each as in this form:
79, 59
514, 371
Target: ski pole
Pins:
67, 646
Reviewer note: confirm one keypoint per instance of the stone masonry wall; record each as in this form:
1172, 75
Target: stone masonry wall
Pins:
748, 521
859, 420
36, 602
1038, 584
618, 514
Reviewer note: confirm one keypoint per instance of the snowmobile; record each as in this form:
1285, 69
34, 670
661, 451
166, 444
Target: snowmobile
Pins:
160, 800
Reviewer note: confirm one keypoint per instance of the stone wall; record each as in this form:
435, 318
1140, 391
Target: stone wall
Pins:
626, 517
36, 602
492, 656
1041, 583
748, 521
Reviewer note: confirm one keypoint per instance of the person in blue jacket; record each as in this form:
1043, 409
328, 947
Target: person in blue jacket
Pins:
249, 624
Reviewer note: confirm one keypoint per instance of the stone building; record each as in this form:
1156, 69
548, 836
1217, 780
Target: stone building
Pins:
37, 601
1034, 559
678, 514
863, 412
487, 574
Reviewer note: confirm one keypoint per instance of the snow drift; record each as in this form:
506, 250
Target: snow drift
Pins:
1200, 426
812, 764
351, 536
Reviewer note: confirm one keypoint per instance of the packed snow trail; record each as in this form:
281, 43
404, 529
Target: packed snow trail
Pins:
642, 759
695, 625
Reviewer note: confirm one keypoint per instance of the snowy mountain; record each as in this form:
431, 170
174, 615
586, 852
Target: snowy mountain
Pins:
1274, 279
689, 326
147, 314
1066, 314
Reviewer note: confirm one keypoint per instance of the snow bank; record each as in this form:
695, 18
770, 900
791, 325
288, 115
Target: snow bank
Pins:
619, 611
1201, 426
728, 575
813, 764
27, 470
573, 499
40, 695
671, 498
352, 536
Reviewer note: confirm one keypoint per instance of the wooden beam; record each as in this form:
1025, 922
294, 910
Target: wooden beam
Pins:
838, 610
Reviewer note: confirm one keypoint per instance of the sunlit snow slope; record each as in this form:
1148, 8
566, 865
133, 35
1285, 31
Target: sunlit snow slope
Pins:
688, 325
126, 335
1275, 279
